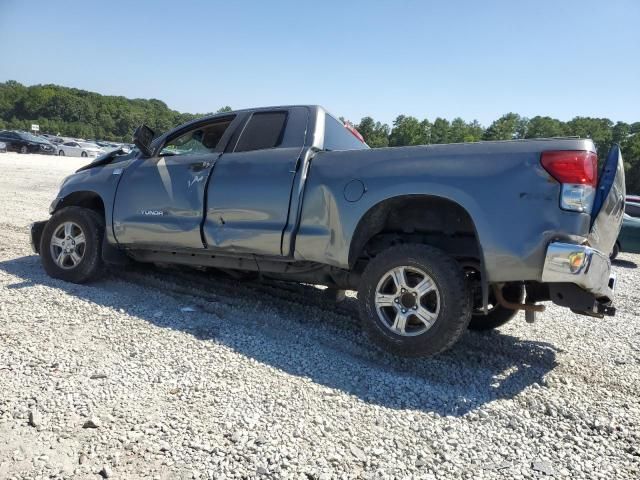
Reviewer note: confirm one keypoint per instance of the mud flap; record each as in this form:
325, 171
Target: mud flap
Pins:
36, 234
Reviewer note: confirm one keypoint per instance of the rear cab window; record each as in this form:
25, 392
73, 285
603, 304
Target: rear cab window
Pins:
263, 130
338, 137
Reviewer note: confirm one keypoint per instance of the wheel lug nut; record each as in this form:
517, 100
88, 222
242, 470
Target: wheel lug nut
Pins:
404, 310
403, 290
397, 300
415, 307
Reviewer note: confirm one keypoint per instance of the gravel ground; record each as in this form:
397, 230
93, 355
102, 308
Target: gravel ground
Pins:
169, 374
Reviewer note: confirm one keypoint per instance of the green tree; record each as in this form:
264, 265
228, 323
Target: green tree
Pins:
597, 129
508, 127
474, 133
544, 127
224, 109
407, 131
631, 155
440, 131
376, 134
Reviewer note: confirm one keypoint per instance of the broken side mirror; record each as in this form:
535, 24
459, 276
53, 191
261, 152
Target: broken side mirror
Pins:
142, 138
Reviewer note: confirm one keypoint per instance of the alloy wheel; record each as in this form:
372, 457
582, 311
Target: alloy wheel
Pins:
407, 301
68, 245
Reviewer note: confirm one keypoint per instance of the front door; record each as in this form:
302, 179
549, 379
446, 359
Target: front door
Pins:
160, 200
250, 187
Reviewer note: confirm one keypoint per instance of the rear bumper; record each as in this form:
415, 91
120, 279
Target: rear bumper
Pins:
583, 266
36, 234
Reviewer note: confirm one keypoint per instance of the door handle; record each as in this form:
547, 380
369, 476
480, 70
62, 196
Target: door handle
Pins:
198, 167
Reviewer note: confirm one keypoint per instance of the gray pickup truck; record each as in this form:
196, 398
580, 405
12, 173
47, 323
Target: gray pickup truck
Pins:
436, 239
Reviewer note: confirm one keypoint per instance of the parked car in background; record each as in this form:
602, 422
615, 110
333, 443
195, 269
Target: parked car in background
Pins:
24, 142
632, 208
632, 198
79, 149
629, 237
52, 138
3, 147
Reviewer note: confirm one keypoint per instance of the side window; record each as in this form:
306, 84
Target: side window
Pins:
337, 137
203, 139
68, 144
264, 130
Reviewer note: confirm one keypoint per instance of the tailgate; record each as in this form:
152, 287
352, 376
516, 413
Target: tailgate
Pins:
608, 206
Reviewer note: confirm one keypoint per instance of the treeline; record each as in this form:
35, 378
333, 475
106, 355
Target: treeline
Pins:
412, 131
78, 113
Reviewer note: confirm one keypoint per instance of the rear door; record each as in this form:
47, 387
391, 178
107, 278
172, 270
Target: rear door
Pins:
250, 187
608, 206
160, 200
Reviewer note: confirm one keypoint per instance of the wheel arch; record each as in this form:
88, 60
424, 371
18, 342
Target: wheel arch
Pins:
82, 198
452, 218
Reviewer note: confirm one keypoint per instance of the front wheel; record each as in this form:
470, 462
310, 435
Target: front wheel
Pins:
84, 154
71, 245
61, 153
24, 149
414, 300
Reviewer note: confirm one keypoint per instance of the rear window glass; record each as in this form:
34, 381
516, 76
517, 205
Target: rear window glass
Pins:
264, 130
337, 137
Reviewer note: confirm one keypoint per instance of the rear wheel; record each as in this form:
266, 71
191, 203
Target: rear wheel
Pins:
84, 154
61, 153
497, 315
414, 300
71, 245
24, 149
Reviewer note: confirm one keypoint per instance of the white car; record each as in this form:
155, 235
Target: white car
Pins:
79, 149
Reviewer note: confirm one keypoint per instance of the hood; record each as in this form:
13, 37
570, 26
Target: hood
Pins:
117, 155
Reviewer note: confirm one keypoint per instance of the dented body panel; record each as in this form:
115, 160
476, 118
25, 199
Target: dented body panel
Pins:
510, 198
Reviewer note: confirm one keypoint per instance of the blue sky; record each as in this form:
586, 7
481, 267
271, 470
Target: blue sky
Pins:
473, 59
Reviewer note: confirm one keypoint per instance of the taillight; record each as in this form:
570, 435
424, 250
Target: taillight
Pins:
570, 166
577, 171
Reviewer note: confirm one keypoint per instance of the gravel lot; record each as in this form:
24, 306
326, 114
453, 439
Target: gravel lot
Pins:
168, 374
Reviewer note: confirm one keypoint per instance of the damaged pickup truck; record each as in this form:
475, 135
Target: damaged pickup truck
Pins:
435, 239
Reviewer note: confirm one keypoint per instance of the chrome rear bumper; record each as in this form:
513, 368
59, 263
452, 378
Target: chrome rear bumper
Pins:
583, 266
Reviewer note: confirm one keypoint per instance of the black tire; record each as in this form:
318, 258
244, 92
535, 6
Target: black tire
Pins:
24, 149
90, 267
498, 315
61, 153
454, 300
615, 252
84, 154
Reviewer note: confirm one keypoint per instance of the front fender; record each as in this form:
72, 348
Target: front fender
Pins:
101, 182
